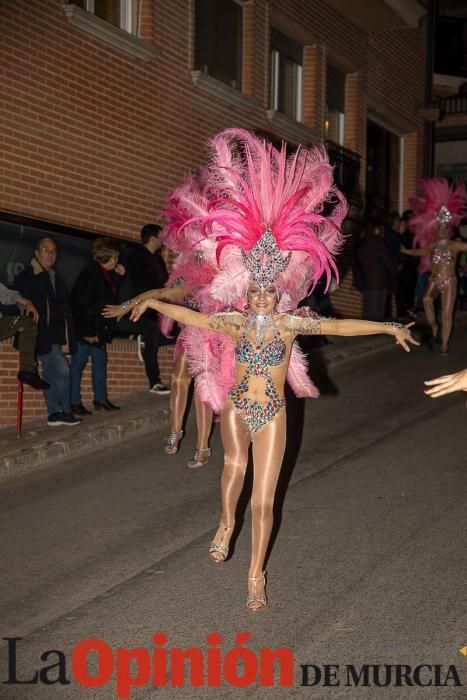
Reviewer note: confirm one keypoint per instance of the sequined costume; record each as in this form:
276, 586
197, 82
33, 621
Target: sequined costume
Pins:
443, 255
436, 212
258, 357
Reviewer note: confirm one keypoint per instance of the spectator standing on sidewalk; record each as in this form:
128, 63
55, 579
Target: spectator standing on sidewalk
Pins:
147, 271
55, 331
96, 286
374, 272
25, 326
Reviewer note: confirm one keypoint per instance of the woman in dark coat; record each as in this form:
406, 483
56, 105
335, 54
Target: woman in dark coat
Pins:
96, 286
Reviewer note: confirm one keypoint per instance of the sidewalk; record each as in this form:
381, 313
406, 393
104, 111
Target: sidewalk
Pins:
142, 412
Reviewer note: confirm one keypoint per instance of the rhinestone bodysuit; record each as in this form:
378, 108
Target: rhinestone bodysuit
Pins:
442, 254
256, 414
259, 358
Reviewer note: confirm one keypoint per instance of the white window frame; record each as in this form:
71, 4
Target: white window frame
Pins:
127, 14
297, 86
401, 174
275, 59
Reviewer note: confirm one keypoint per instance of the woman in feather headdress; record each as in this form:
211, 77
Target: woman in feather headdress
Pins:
437, 211
273, 243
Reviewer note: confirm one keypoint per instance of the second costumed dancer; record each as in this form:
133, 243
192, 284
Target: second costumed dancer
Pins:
273, 243
437, 211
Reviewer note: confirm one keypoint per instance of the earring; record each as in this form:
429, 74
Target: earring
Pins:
247, 306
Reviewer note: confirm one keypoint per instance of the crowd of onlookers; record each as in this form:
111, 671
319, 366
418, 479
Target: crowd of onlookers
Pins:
382, 273
58, 323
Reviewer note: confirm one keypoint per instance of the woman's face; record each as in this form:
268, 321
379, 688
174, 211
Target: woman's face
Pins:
262, 300
111, 263
443, 231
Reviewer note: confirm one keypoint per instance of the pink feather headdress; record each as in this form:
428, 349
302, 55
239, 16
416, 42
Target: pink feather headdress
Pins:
438, 203
253, 214
266, 216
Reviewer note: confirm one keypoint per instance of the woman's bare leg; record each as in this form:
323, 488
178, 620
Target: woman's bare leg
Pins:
429, 297
448, 301
236, 442
179, 392
203, 424
178, 398
268, 453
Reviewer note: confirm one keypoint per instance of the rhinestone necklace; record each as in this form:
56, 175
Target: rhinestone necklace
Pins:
260, 322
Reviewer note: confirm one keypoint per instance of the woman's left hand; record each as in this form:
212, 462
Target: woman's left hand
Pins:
447, 384
140, 308
403, 336
120, 269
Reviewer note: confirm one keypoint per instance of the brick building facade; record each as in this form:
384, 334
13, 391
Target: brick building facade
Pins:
98, 123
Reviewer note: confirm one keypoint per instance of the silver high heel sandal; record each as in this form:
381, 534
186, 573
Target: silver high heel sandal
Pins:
198, 460
257, 602
172, 441
221, 549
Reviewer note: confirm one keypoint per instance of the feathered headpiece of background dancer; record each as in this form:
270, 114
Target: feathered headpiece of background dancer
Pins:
210, 354
266, 217
438, 203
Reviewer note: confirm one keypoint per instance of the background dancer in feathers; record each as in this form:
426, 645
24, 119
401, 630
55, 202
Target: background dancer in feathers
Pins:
439, 208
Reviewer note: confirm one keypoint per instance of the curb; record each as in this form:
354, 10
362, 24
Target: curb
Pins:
50, 452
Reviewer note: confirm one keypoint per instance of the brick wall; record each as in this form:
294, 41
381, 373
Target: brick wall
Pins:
94, 138
125, 374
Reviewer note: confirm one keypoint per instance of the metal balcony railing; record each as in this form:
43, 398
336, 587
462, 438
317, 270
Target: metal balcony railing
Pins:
455, 104
346, 171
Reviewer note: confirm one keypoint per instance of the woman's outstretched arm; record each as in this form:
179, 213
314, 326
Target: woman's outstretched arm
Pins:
166, 293
417, 252
351, 326
312, 324
179, 313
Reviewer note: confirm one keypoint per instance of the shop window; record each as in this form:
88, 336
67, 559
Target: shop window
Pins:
335, 105
218, 40
286, 75
120, 13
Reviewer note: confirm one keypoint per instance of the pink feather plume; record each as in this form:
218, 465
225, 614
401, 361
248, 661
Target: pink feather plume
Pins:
297, 374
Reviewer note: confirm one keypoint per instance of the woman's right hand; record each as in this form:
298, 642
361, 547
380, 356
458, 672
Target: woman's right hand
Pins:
403, 336
113, 311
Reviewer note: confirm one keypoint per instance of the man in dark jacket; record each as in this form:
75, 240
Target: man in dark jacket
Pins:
96, 286
148, 271
374, 272
55, 332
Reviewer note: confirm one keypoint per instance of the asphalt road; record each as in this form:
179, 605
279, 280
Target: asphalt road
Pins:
367, 566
